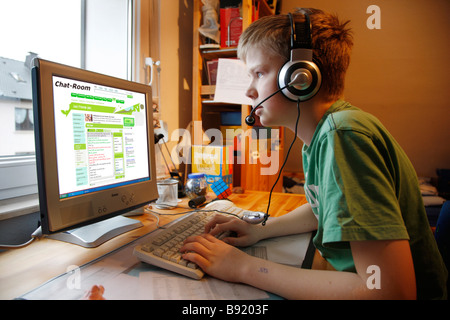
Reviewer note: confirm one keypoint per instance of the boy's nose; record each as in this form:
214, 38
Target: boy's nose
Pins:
251, 92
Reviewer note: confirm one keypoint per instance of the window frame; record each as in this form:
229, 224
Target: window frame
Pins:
18, 186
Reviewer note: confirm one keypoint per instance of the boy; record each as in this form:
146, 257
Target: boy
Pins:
362, 191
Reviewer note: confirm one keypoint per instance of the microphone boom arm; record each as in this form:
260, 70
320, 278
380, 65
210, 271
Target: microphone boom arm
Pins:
250, 119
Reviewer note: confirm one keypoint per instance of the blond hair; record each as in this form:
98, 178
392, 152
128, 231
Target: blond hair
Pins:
331, 41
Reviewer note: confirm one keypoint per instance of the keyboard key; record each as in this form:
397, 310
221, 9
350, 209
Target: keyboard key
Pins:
167, 255
183, 262
192, 265
176, 258
158, 252
158, 241
147, 248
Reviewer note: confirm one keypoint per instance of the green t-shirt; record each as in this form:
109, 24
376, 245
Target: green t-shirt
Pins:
362, 186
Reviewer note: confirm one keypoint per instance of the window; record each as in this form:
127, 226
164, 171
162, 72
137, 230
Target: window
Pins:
91, 34
24, 119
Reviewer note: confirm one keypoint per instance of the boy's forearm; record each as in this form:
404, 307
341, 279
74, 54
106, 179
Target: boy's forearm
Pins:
295, 283
392, 257
299, 220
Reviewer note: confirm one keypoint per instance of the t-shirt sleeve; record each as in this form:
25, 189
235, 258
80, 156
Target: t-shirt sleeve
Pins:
357, 195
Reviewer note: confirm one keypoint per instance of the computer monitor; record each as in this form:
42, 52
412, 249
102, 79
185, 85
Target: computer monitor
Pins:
94, 152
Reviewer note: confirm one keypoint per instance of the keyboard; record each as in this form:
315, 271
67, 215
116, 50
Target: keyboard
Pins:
162, 248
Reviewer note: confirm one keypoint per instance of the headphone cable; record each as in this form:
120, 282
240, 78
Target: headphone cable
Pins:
284, 163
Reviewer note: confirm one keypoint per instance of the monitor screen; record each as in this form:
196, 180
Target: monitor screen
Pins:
94, 145
107, 130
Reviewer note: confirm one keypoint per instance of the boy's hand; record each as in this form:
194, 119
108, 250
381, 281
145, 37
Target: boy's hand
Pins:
215, 257
245, 234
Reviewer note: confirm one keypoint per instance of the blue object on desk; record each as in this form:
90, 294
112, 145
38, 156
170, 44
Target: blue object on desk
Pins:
442, 235
221, 189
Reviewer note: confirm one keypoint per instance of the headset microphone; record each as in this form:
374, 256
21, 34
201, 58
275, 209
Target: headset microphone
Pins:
250, 119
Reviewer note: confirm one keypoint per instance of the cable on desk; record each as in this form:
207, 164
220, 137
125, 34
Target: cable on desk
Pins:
157, 214
16, 246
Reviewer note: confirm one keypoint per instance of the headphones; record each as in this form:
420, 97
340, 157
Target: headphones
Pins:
301, 66
300, 78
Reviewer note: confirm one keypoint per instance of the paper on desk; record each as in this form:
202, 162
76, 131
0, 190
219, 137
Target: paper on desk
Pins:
166, 285
289, 250
124, 277
111, 272
232, 82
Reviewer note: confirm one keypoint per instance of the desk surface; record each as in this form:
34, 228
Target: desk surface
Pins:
21, 270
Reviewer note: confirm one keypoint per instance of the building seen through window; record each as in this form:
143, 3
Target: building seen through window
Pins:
89, 34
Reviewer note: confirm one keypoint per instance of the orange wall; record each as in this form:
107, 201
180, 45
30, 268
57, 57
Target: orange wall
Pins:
399, 73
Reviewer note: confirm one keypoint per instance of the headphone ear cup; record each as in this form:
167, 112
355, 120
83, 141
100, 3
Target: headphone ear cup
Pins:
307, 83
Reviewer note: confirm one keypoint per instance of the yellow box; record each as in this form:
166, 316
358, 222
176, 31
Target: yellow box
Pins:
214, 161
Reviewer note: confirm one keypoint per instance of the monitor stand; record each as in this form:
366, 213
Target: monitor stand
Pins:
95, 234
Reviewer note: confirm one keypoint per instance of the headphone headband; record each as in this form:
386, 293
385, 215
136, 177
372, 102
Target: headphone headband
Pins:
301, 34
300, 65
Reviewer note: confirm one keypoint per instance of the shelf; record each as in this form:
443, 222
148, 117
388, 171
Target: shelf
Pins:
220, 106
265, 9
207, 90
205, 109
211, 54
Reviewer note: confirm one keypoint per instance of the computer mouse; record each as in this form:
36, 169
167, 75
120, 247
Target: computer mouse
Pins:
253, 217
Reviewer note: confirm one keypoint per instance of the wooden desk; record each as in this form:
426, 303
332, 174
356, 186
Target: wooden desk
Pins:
21, 270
